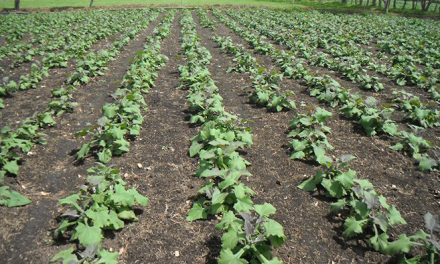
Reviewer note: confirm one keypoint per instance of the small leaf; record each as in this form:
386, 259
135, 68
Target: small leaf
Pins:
197, 212
88, 235
265, 209
67, 256
107, 257
230, 239
83, 151
11, 198
227, 257
11, 167
353, 227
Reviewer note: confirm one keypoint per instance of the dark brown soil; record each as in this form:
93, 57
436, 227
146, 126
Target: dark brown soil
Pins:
158, 166
166, 175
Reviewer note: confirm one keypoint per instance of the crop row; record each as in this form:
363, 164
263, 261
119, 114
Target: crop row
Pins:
398, 36
36, 34
72, 39
104, 203
16, 143
249, 234
365, 212
362, 110
417, 112
77, 44
342, 55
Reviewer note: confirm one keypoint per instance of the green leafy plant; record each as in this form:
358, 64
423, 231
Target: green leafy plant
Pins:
250, 237
308, 133
364, 209
430, 241
103, 203
415, 110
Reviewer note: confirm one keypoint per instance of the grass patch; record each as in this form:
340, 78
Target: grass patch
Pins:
85, 3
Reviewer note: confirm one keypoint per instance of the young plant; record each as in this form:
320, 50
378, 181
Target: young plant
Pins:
309, 136
250, 237
103, 203
364, 210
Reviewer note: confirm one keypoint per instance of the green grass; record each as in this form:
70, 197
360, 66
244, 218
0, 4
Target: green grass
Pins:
82, 3
323, 5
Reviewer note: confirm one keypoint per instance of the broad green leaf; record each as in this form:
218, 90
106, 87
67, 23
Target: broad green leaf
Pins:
218, 197
99, 216
346, 179
334, 188
397, 147
322, 114
230, 239
426, 163
229, 220
390, 128
274, 231
11, 167
401, 245
47, 119
71, 200
67, 256
321, 158
10, 198
83, 151
88, 235
197, 212
195, 148
338, 205
139, 198
243, 204
127, 215
114, 222
394, 217
105, 155
265, 209
310, 184
298, 155
353, 227
107, 257
212, 172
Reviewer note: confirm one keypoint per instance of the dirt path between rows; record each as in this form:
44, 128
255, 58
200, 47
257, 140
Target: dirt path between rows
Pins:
159, 165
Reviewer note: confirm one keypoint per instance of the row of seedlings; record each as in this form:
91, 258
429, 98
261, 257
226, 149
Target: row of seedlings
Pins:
79, 38
417, 112
16, 143
249, 234
104, 203
402, 69
366, 212
83, 41
267, 92
364, 111
349, 67
21, 33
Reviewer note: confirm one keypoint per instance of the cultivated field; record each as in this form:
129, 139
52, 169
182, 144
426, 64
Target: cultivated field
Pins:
220, 135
